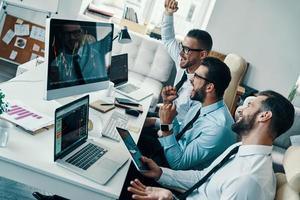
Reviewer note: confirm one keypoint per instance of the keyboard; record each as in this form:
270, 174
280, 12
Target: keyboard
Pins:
116, 120
87, 156
128, 88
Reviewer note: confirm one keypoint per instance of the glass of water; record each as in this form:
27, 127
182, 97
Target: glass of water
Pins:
4, 132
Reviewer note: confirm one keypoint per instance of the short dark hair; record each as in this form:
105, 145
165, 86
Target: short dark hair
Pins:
204, 39
218, 73
282, 110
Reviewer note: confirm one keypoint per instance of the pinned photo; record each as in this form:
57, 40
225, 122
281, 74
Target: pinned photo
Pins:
20, 42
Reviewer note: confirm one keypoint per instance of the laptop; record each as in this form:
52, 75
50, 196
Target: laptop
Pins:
74, 151
118, 74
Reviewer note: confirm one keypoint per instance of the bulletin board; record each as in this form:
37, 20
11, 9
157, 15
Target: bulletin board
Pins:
21, 48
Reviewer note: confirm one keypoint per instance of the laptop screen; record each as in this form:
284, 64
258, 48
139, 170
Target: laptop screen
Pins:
118, 71
71, 126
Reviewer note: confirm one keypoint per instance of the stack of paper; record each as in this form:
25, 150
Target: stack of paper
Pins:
26, 117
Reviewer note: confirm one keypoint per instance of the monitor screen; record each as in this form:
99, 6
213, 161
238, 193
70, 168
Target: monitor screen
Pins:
71, 126
118, 72
78, 55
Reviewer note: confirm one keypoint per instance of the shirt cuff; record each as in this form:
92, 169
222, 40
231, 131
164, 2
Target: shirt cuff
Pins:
165, 179
168, 141
168, 18
157, 123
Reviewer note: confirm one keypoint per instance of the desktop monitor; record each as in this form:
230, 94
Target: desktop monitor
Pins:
78, 55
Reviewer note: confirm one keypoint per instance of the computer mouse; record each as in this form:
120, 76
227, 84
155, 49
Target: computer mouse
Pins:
132, 112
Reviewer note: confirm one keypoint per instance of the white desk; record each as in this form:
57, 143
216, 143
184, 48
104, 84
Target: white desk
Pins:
29, 158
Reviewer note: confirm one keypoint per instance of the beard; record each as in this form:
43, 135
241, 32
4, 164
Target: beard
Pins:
184, 63
199, 94
243, 126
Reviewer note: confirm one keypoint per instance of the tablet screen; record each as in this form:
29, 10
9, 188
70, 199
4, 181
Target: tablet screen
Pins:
133, 149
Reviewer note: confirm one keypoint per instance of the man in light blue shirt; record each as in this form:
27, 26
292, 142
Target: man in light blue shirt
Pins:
244, 171
206, 130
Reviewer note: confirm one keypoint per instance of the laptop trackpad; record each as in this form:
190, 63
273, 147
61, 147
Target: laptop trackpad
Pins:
103, 170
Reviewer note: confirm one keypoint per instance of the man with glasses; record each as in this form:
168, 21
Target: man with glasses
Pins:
187, 55
206, 130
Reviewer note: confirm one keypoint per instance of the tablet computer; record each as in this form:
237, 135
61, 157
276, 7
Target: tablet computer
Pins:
133, 149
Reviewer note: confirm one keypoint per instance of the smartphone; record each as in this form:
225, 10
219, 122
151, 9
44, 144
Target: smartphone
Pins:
127, 102
133, 150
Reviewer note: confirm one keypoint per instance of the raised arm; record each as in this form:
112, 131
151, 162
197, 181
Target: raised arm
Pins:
167, 30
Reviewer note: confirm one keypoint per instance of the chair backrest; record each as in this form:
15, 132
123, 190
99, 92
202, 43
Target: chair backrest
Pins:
288, 185
238, 68
146, 56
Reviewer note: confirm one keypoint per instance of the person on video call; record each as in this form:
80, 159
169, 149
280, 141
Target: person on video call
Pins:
187, 55
78, 56
243, 171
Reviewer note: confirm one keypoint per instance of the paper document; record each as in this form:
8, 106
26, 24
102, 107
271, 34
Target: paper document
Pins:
22, 29
26, 117
33, 56
37, 33
19, 21
13, 55
8, 36
36, 47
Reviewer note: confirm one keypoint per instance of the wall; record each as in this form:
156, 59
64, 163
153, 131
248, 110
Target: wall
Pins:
266, 33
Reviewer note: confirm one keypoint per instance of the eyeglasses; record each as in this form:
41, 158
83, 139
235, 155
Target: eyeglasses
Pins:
75, 33
186, 49
201, 77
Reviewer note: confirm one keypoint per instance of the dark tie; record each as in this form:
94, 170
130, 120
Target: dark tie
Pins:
188, 126
182, 80
213, 170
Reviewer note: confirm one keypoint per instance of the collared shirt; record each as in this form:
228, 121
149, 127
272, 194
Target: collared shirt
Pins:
183, 102
248, 175
210, 135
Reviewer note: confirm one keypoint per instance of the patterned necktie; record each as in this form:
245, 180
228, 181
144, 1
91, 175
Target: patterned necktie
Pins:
188, 126
180, 83
213, 170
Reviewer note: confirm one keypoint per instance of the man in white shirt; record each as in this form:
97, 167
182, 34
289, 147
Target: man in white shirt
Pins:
246, 175
187, 55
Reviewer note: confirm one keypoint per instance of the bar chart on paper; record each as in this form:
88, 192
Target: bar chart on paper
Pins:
19, 112
26, 117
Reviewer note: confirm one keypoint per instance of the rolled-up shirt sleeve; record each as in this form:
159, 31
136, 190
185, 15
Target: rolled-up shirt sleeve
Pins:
168, 37
199, 152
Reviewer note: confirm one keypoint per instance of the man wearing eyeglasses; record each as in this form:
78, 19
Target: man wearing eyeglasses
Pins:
205, 131
187, 55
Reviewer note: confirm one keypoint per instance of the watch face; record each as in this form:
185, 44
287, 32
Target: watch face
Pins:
164, 127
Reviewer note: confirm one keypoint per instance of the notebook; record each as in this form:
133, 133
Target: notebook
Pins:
74, 151
118, 74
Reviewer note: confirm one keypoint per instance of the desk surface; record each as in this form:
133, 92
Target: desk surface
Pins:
29, 158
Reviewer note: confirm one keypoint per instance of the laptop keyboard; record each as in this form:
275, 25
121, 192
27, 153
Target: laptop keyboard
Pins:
86, 156
116, 120
128, 88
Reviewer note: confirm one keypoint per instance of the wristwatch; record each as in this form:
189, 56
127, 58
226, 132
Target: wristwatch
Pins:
166, 127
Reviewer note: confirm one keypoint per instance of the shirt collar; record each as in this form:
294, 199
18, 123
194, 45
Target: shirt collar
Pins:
210, 108
247, 150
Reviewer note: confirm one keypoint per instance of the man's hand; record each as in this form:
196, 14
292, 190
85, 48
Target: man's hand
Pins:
154, 170
168, 94
171, 6
142, 192
167, 112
